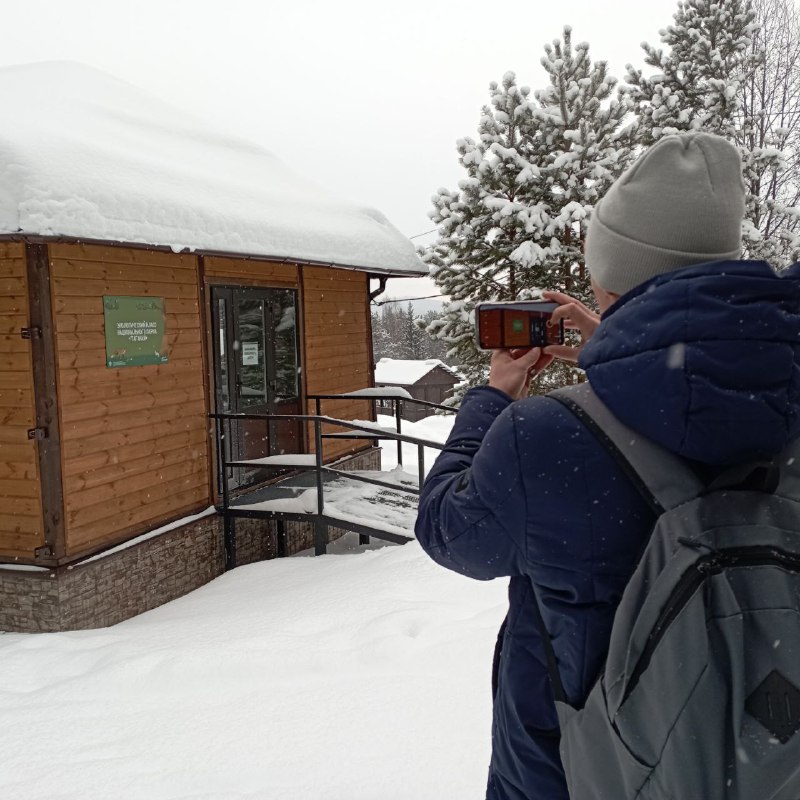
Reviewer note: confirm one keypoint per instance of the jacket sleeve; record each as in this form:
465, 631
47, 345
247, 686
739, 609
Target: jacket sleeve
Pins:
472, 506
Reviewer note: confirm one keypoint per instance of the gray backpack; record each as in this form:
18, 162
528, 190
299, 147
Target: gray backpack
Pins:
699, 698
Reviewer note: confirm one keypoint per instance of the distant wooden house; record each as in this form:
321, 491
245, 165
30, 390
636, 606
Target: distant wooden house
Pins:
429, 380
152, 272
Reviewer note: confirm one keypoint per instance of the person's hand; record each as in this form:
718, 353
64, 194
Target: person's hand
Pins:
577, 317
511, 371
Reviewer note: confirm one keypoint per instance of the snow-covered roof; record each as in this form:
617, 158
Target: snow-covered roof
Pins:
405, 372
85, 155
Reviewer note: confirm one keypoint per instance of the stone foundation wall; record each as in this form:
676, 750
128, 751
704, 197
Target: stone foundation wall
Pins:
107, 589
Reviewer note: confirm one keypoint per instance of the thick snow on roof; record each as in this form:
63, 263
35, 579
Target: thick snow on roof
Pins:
83, 154
406, 372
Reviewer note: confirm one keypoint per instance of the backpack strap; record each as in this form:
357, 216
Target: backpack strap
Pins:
661, 477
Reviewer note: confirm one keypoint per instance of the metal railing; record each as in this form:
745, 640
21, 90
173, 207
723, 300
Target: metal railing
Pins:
397, 410
224, 423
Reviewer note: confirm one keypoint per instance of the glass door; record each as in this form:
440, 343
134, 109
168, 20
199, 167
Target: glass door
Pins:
257, 372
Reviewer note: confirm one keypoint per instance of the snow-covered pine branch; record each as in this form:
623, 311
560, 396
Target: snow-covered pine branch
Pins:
733, 68
539, 164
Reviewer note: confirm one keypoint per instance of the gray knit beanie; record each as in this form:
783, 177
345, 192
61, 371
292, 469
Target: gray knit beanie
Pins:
681, 203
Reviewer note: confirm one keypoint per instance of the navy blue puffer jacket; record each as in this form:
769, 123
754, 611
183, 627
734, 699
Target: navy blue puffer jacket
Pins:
706, 362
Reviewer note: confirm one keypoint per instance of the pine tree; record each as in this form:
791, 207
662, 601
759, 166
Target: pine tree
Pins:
401, 333
588, 149
499, 207
380, 337
516, 224
696, 80
731, 68
412, 335
432, 347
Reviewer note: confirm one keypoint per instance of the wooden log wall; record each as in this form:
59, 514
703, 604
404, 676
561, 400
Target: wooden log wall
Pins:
337, 346
243, 272
134, 439
21, 524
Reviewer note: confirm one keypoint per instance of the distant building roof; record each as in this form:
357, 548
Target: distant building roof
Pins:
85, 155
406, 372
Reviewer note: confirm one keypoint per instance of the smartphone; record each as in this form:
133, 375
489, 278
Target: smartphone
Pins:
517, 324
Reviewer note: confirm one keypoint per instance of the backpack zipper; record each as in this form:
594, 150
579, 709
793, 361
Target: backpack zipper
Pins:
693, 579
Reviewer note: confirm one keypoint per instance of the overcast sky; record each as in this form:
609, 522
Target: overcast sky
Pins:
367, 98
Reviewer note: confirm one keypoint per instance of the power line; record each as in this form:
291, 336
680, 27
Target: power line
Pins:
406, 299
416, 236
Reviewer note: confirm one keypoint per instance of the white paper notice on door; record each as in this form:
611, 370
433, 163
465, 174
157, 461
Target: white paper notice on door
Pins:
249, 354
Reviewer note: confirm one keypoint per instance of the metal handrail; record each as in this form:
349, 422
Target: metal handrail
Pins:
356, 396
396, 401
321, 520
319, 467
380, 433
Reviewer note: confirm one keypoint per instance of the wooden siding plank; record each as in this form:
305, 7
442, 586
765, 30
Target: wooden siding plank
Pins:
110, 273
94, 426
18, 471
19, 487
14, 545
321, 356
92, 409
15, 362
78, 287
99, 461
14, 343
152, 382
13, 267
321, 360
23, 416
93, 304
97, 531
113, 254
27, 507
342, 332
323, 348
143, 483
335, 297
22, 451
125, 438
15, 380
338, 315
337, 361
91, 376
12, 324
311, 274
13, 304
12, 286
75, 359
267, 270
152, 462
20, 524
12, 250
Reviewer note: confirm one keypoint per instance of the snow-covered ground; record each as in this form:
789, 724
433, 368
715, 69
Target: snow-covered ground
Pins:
352, 676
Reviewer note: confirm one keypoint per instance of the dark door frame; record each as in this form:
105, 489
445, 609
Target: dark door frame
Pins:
226, 394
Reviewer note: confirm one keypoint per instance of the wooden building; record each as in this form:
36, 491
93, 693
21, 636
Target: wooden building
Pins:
108, 475
430, 380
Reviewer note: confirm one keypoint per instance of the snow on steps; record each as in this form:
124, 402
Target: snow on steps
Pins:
347, 500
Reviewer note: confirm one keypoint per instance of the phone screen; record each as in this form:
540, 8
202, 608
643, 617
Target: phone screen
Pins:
516, 324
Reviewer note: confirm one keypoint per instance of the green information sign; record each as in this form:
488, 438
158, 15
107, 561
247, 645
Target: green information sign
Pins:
135, 331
